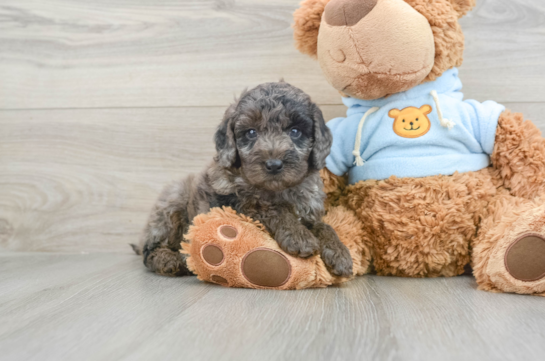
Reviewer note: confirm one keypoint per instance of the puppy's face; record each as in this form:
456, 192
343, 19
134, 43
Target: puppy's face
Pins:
277, 133
274, 144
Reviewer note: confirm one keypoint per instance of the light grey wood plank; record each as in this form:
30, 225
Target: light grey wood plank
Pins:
107, 307
119, 53
84, 180
66, 53
504, 51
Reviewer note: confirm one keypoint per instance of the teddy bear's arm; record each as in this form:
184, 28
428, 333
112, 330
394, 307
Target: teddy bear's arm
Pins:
332, 183
334, 187
519, 155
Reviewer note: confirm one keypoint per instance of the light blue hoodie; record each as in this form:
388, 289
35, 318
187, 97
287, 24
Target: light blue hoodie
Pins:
460, 140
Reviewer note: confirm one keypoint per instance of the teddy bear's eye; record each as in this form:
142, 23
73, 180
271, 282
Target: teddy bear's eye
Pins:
416, 119
403, 120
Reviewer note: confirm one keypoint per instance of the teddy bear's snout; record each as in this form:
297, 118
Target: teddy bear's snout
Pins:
371, 48
347, 12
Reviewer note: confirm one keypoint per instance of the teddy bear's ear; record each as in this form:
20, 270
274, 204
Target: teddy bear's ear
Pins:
462, 7
307, 24
426, 109
394, 113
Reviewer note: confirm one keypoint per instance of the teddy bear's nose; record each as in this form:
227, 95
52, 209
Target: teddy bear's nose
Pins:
347, 12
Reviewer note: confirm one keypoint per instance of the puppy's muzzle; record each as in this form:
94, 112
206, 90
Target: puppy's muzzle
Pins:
274, 166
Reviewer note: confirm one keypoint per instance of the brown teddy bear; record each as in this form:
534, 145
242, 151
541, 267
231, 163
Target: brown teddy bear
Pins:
420, 183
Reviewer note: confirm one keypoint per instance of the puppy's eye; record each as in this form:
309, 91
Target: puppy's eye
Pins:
251, 134
295, 133
403, 120
416, 119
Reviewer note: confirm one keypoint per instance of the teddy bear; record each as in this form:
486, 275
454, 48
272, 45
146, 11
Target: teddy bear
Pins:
419, 181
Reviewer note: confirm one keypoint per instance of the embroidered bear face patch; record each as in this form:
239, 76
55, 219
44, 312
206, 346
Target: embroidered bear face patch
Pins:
411, 122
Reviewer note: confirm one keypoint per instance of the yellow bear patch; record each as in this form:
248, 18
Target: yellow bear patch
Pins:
411, 122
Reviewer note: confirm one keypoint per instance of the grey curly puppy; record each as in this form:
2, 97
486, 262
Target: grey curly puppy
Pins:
270, 147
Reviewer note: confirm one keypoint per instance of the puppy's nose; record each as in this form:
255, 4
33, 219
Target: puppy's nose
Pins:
347, 12
274, 166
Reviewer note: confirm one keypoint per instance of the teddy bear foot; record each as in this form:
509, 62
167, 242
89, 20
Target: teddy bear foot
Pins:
512, 256
525, 258
234, 251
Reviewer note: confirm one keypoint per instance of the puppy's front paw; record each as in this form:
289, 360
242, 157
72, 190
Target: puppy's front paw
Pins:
337, 259
165, 262
298, 241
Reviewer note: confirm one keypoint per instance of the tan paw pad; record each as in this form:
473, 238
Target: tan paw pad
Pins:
213, 255
228, 232
219, 280
525, 258
265, 267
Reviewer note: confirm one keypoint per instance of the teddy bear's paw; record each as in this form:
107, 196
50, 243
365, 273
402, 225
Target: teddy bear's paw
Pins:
232, 251
516, 263
525, 258
265, 267
260, 266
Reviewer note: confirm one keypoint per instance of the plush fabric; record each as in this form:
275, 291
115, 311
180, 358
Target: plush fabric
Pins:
442, 16
410, 225
389, 50
251, 236
421, 227
440, 150
506, 219
305, 273
357, 64
307, 25
519, 156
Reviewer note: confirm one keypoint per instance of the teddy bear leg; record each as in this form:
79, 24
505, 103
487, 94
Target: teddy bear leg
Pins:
508, 254
233, 250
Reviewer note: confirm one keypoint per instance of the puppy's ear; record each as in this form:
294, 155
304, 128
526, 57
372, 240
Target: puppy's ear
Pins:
224, 138
322, 140
307, 25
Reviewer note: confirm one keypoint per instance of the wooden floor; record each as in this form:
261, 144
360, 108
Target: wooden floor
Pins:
106, 307
102, 102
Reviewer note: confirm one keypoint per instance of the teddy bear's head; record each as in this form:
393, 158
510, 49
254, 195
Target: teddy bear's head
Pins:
369, 49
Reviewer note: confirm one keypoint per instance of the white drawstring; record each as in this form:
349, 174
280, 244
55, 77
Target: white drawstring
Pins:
444, 121
359, 160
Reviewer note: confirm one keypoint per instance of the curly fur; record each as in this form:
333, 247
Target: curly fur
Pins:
503, 214
433, 226
421, 227
334, 187
307, 25
449, 39
519, 155
258, 128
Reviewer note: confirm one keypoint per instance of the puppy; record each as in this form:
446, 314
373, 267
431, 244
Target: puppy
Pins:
270, 147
